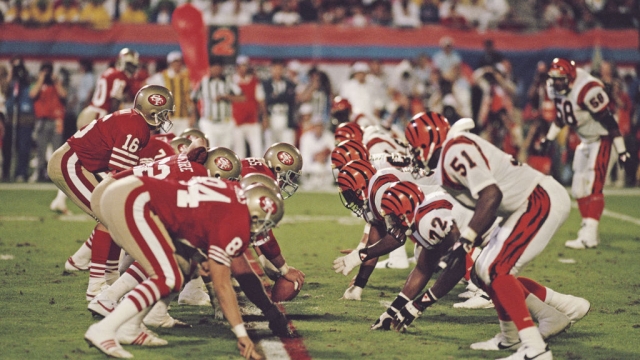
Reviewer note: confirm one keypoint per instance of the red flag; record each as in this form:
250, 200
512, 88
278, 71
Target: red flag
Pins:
192, 36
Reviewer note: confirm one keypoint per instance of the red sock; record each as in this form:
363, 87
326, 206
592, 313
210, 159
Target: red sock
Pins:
596, 207
469, 264
583, 206
100, 252
511, 296
502, 314
536, 289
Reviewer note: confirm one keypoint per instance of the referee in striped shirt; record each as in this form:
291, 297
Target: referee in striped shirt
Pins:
214, 97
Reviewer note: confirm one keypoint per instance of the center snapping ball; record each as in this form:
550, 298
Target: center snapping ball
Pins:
284, 290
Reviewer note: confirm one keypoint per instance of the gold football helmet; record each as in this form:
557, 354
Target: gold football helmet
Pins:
128, 61
286, 162
223, 163
180, 144
192, 134
155, 104
266, 208
257, 178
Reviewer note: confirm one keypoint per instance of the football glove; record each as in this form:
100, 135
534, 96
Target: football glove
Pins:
405, 317
385, 320
456, 253
623, 158
345, 264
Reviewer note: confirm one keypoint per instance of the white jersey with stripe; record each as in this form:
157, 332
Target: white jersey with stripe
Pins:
468, 164
576, 108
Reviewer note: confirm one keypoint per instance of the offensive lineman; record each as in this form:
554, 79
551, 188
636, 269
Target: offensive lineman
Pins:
582, 103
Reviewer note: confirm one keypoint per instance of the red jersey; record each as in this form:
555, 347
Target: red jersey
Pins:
112, 84
254, 165
209, 213
176, 167
166, 137
156, 149
246, 112
112, 142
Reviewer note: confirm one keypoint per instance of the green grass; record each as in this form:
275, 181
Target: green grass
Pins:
43, 312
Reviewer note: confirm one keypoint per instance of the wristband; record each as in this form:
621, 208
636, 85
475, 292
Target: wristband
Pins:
240, 330
618, 143
284, 269
554, 130
469, 234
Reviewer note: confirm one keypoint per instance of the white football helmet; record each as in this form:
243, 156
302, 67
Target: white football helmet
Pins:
286, 162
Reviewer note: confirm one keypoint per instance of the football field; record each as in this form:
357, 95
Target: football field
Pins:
43, 309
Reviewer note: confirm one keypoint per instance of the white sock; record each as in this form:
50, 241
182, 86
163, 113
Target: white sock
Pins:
121, 314
83, 254
549, 298
60, 196
531, 338
510, 332
123, 285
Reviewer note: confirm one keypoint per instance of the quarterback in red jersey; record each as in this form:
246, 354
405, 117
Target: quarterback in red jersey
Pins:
111, 88
147, 216
111, 143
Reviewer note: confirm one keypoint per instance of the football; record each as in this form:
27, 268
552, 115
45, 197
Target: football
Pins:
283, 290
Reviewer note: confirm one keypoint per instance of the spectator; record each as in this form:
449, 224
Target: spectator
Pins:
358, 18
280, 99
490, 56
20, 105
248, 113
134, 13
287, 15
162, 12
451, 16
405, 14
176, 78
422, 68
379, 84
216, 93
381, 13
263, 15
40, 13
358, 92
315, 147
66, 11
446, 58
558, 13
79, 93
429, 13
317, 94
95, 15
309, 10
47, 94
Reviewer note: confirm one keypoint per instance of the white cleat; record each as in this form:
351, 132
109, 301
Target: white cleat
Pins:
101, 307
159, 317
480, 301
197, 297
60, 205
138, 335
574, 307
388, 264
106, 343
498, 342
581, 244
71, 265
95, 288
353, 293
526, 353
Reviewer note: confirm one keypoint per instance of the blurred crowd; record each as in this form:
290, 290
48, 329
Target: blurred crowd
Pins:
261, 102
513, 15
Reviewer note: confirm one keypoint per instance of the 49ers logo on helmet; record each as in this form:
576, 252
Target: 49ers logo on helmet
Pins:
285, 158
223, 163
268, 205
157, 100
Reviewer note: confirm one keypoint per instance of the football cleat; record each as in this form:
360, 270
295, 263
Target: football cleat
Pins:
353, 293
193, 294
498, 342
388, 264
96, 286
101, 306
71, 265
159, 317
479, 301
134, 334
59, 205
527, 353
581, 244
106, 343
575, 308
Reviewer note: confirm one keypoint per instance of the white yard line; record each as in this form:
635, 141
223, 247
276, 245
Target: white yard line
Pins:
274, 349
615, 215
